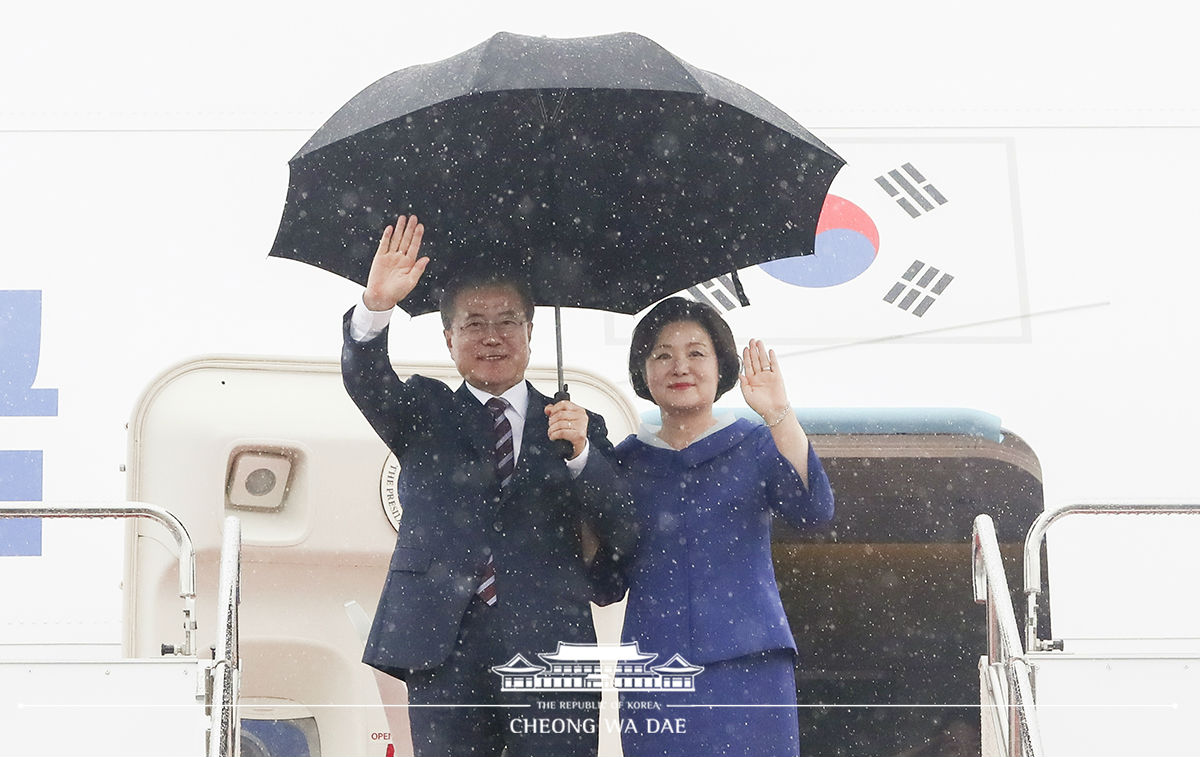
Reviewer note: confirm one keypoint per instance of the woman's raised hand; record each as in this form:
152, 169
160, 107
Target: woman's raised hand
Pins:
762, 382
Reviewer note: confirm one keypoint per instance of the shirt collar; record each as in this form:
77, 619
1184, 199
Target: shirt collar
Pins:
517, 397
648, 434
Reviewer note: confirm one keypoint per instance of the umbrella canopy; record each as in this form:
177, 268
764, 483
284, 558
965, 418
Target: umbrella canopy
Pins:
604, 170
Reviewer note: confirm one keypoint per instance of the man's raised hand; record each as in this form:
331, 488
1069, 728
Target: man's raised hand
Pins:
396, 269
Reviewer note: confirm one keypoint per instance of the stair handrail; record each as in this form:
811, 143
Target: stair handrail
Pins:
1022, 737
1033, 550
226, 670
187, 552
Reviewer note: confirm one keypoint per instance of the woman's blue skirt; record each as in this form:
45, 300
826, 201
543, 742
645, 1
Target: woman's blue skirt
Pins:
745, 706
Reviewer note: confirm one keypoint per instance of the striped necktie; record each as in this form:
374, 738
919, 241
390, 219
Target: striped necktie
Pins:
505, 459
505, 465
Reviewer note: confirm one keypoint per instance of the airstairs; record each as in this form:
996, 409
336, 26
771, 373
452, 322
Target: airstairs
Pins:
1061, 698
183, 703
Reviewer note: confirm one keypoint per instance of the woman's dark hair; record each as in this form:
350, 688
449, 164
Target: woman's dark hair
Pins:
674, 310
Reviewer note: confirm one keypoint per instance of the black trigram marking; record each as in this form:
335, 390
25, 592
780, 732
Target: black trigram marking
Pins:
720, 292
915, 189
919, 277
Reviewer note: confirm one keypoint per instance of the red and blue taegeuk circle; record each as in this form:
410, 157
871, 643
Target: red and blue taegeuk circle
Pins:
847, 243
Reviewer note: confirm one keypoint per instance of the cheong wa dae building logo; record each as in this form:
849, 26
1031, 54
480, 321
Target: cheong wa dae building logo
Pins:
591, 667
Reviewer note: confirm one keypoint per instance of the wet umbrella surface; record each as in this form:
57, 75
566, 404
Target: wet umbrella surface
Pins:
604, 170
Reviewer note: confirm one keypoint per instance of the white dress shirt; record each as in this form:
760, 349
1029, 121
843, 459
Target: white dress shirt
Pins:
367, 324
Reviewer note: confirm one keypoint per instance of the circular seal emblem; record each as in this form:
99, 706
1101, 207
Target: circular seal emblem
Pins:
389, 495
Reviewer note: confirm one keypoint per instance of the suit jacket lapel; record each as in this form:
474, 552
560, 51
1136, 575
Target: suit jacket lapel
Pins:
533, 440
474, 421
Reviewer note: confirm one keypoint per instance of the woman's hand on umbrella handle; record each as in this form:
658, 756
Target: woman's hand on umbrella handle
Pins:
396, 269
762, 382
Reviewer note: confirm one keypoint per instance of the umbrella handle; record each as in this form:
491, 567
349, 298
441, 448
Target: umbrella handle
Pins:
562, 447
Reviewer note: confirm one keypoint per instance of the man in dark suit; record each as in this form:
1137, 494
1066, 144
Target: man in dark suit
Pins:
489, 561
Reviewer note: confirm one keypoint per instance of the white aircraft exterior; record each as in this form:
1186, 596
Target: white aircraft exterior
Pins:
144, 148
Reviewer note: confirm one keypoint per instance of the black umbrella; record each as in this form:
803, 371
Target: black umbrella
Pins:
606, 171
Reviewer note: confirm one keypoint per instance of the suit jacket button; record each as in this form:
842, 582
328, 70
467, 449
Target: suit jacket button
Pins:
497, 526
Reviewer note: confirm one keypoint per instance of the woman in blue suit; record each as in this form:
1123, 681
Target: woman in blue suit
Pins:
703, 585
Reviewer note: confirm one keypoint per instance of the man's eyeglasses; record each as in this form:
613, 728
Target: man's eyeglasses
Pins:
477, 328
